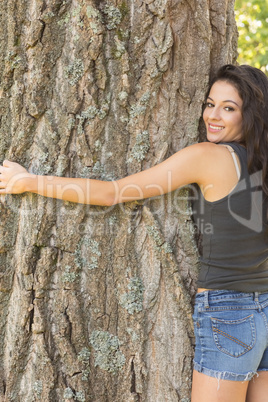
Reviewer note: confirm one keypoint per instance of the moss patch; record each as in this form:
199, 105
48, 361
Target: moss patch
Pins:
108, 356
141, 147
74, 71
132, 300
113, 16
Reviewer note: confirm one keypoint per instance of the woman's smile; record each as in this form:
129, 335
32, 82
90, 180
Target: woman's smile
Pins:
214, 128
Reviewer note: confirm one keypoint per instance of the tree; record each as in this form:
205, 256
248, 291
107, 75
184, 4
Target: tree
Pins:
252, 22
96, 302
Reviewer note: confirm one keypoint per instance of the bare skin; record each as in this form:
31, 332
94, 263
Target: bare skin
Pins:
169, 175
209, 165
258, 388
209, 389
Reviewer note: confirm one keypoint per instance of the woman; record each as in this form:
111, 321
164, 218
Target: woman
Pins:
231, 310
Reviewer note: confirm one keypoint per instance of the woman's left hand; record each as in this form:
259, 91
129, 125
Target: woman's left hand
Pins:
13, 178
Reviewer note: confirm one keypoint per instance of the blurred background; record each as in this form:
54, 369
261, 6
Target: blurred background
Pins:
252, 23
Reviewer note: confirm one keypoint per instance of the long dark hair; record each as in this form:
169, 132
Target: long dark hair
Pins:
252, 86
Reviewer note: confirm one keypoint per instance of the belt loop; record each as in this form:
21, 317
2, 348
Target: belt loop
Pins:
206, 299
256, 299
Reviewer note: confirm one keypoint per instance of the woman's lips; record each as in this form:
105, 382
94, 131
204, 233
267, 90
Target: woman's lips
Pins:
214, 128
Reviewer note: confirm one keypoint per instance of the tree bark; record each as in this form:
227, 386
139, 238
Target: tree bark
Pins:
96, 302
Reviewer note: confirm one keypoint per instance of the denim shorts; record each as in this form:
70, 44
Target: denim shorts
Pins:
231, 334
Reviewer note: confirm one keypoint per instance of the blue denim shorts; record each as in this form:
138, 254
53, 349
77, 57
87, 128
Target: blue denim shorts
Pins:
231, 334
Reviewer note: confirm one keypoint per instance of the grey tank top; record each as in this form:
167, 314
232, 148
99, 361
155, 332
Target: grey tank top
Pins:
234, 234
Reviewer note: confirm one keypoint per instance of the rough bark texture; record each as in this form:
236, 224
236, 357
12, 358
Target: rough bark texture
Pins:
96, 302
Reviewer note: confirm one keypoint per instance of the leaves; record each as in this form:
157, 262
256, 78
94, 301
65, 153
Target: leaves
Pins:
252, 23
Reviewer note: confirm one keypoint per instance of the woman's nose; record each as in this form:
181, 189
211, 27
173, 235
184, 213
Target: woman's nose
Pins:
214, 113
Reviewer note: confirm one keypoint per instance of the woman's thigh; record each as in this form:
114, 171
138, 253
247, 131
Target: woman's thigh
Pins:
258, 388
210, 389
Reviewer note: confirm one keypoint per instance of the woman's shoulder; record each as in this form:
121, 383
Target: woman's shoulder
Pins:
206, 154
218, 173
209, 149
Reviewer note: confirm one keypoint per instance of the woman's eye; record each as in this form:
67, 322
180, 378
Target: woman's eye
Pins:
209, 104
229, 109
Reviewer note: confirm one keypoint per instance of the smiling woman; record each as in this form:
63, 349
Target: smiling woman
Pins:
231, 334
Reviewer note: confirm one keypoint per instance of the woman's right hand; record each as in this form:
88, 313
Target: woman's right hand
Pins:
13, 178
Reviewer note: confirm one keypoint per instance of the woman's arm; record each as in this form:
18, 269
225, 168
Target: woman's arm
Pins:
14, 179
189, 165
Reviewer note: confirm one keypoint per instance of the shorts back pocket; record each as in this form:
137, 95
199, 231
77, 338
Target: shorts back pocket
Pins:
234, 337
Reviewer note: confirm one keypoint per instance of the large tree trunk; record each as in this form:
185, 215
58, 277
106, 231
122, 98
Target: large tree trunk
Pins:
95, 301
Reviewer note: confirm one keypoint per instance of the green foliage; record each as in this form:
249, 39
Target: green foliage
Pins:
252, 23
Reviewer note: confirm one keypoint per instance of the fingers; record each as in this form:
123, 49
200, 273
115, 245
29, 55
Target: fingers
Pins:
4, 170
12, 177
7, 163
2, 173
3, 189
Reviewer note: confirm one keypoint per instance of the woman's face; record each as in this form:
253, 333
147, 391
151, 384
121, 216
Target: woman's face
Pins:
223, 113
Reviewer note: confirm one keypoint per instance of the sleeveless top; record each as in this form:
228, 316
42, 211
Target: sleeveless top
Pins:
234, 234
